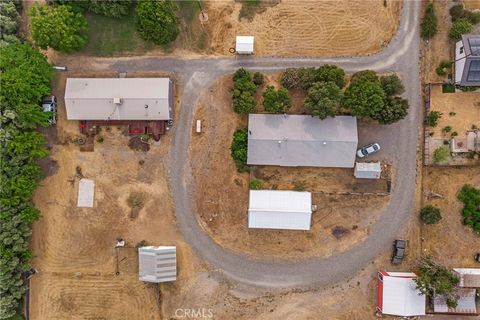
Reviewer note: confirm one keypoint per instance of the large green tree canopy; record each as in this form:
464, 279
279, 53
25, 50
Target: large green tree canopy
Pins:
58, 27
25, 79
157, 21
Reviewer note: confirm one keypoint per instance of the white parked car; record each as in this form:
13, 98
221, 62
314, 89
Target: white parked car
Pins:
368, 150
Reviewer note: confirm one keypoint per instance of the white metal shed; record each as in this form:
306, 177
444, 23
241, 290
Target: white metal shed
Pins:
273, 209
157, 264
398, 294
367, 170
86, 189
244, 45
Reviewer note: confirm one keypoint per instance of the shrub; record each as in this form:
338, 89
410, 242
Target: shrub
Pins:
307, 77
258, 79
392, 85
255, 184
364, 76
276, 100
458, 12
290, 78
239, 148
156, 21
470, 197
430, 215
444, 64
447, 129
429, 23
432, 118
323, 99
243, 91
394, 109
364, 97
100, 139
441, 154
460, 27
330, 73
448, 88
58, 27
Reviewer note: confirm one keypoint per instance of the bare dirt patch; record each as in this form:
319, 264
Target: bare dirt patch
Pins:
450, 241
313, 28
472, 4
222, 193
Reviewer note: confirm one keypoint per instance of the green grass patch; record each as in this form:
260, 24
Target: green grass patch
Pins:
109, 36
188, 10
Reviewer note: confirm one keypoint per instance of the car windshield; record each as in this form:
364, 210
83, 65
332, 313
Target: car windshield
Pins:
375, 147
364, 152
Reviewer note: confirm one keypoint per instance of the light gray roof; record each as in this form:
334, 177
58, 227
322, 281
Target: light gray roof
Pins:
299, 140
471, 68
157, 264
140, 98
367, 170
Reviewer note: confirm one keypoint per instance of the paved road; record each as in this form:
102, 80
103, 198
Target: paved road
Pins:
197, 74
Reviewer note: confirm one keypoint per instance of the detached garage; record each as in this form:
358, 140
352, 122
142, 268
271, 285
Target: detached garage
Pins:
272, 209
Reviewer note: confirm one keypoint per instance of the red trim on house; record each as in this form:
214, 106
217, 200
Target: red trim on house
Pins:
380, 293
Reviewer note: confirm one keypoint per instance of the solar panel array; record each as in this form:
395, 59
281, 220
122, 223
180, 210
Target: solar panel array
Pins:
474, 46
474, 71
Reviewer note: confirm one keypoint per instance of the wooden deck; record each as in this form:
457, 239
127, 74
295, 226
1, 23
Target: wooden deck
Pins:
155, 128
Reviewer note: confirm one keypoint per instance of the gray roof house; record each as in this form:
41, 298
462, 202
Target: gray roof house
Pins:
300, 140
118, 99
157, 264
467, 60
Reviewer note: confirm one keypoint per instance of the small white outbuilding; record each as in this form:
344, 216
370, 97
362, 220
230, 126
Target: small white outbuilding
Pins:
86, 190
244, 45
272, 209
157, 264
367, 170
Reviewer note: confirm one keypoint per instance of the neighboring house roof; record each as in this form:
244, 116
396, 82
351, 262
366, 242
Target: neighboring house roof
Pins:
398, 294
469, 277
300, 140
272, 209
86, 188
157, 264
467, 61
465, 303
244, 44
367, 170
118, 98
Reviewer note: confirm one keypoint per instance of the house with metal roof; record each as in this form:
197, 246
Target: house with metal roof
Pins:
278, 209
302, 140
157, 264
397, 294
467, 60
144, 104
466, 304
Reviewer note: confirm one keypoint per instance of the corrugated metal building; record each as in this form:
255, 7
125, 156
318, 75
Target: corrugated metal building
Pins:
465, 303
244, 44
118, 99
367, 170
298, 140
398, 294
273, 209
157, 264
469, 277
